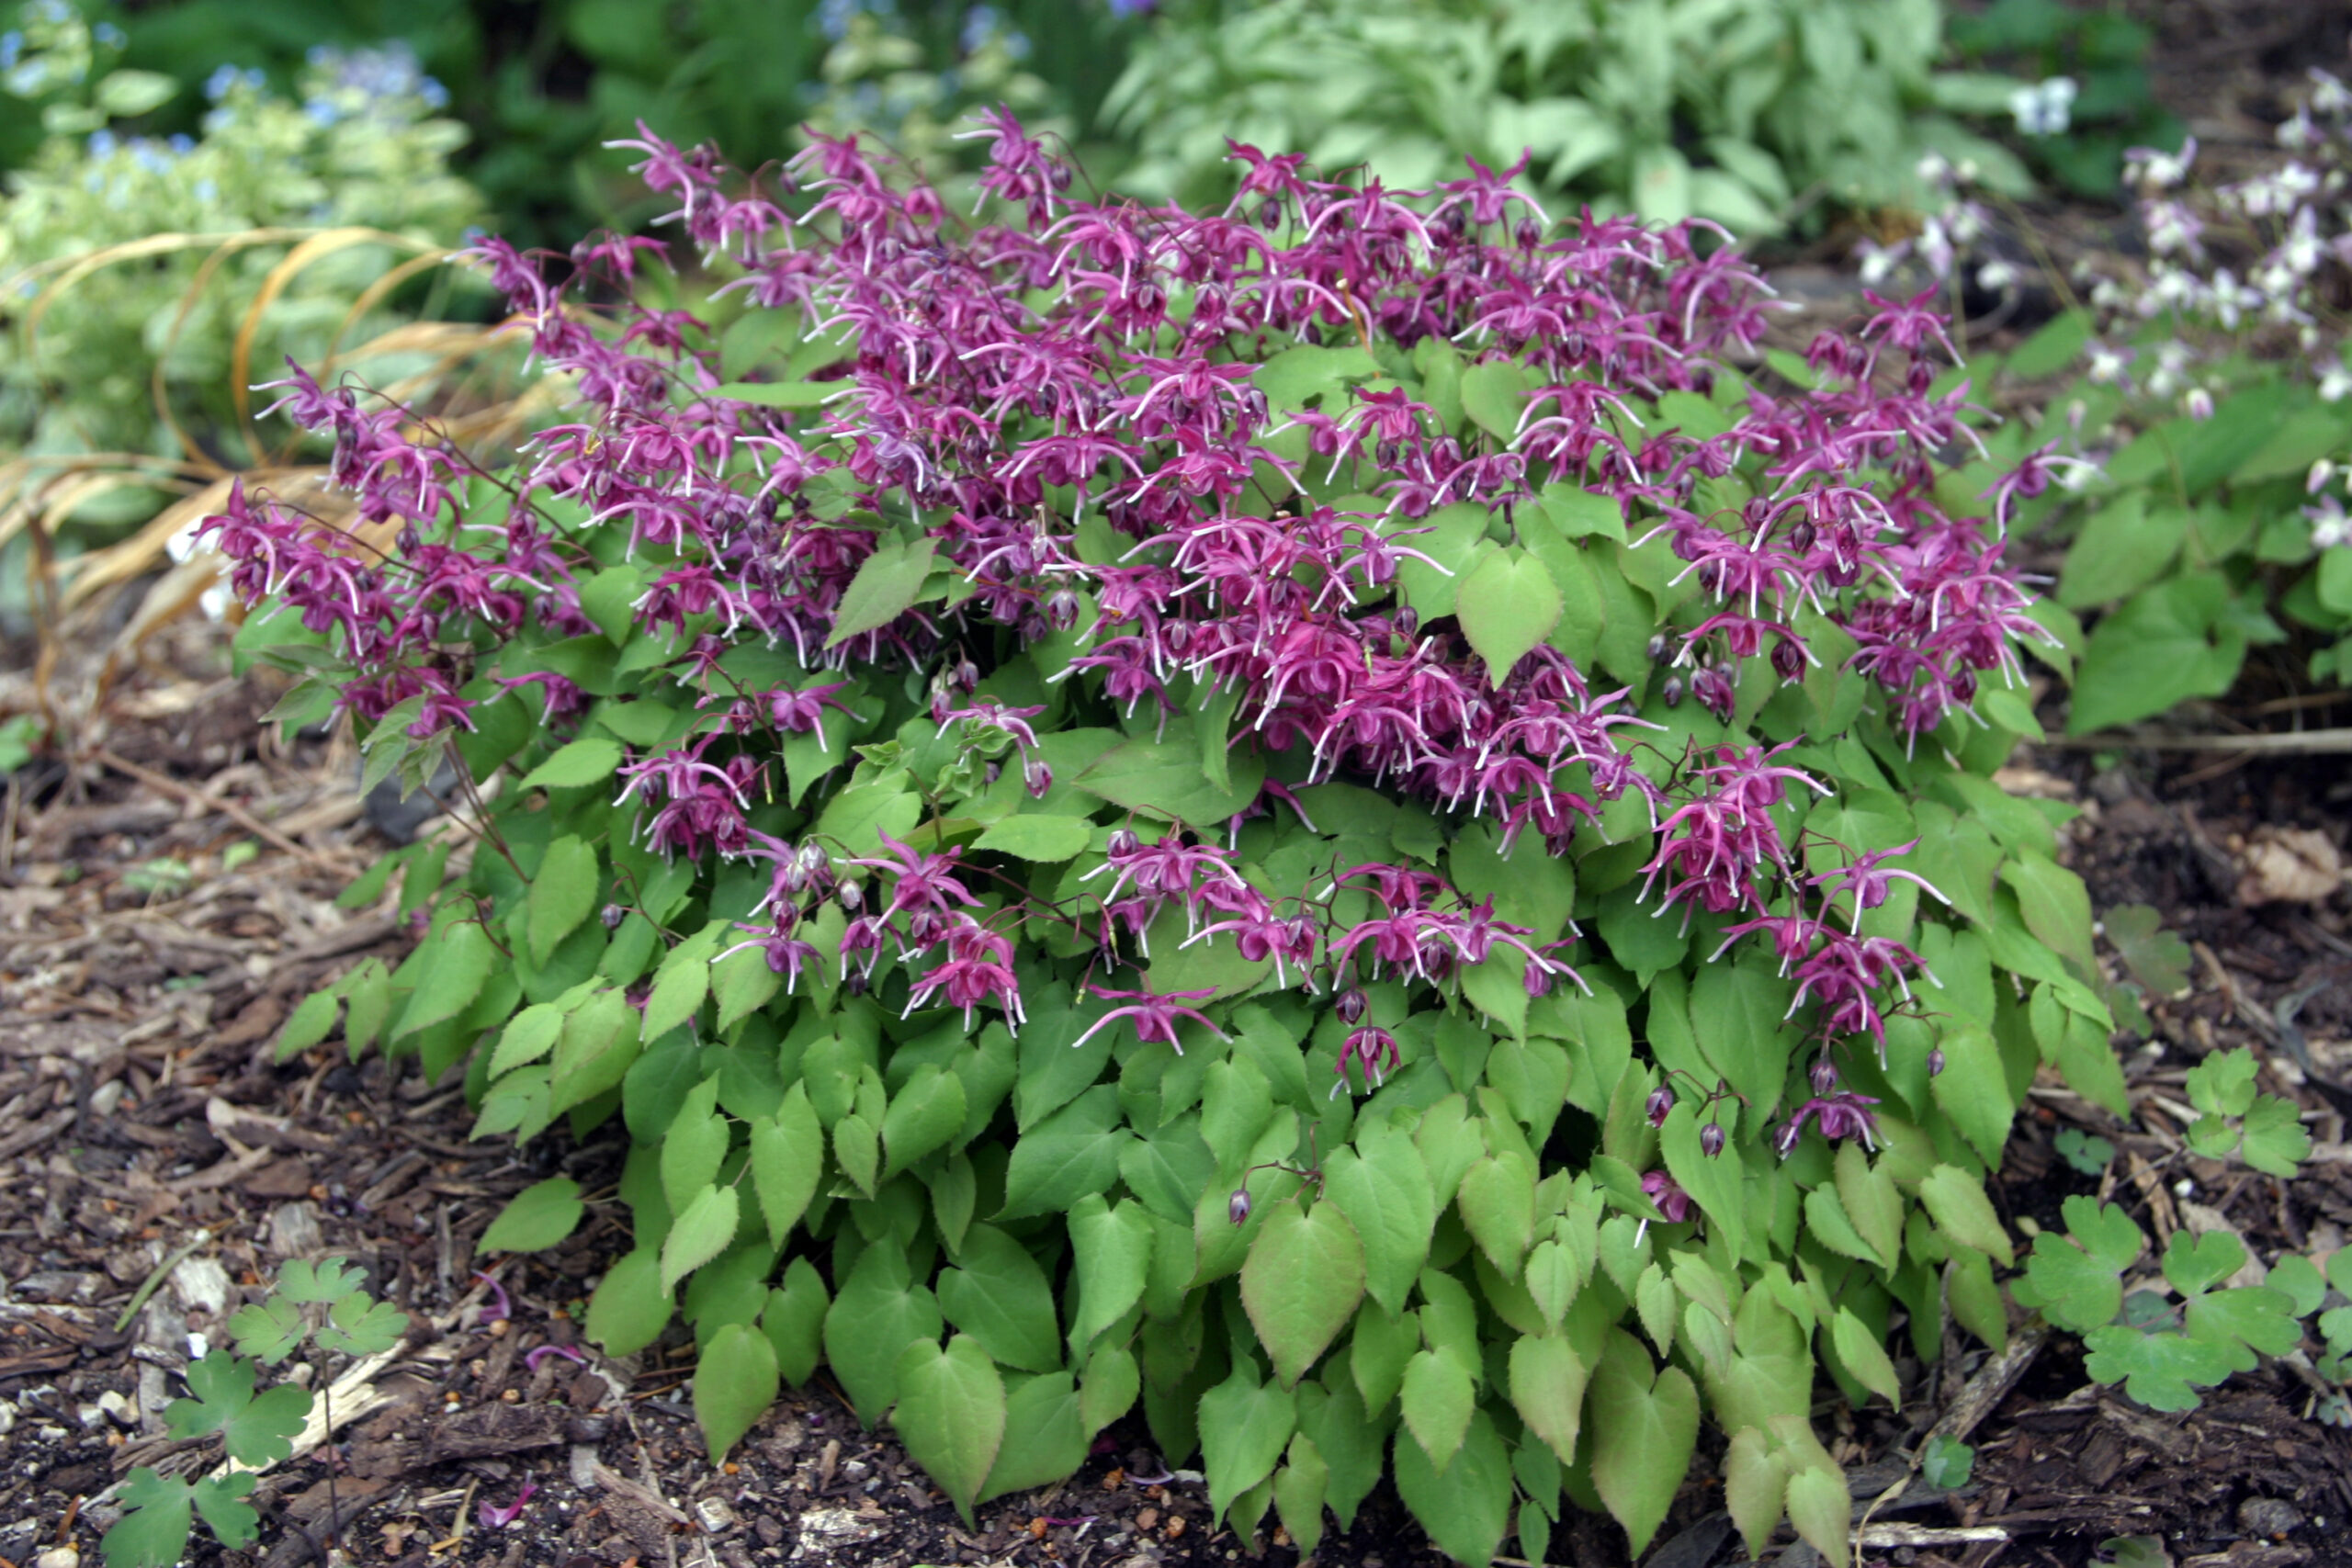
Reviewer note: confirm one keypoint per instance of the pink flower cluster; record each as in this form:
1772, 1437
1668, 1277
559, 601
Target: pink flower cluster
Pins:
1110, 349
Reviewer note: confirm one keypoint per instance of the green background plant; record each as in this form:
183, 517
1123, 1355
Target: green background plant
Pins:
1741, 111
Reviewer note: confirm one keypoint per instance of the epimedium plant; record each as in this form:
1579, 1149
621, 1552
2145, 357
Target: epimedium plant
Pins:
1313, 818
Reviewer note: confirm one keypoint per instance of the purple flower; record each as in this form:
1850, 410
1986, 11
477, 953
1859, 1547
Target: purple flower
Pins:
1667, 1194
1842, 1116
497, 1518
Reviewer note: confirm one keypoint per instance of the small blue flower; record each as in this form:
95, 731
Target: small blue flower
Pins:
207, 191
435, 95
322, 111
980, 22
182, 143
12, 49
103, 143
833, 18
218, 85
108, 34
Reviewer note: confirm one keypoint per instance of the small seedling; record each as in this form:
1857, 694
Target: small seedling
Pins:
320, 1304
2088, 1154
1946, 1462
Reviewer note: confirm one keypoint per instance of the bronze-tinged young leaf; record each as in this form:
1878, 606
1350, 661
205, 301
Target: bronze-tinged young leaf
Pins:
1301, 1283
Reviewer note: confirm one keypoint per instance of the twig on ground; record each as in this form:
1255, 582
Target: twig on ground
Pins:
148, 1287
2276, 743
163, 785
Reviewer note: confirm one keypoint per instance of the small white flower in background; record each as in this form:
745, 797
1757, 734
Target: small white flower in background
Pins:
2317, 481
2329, 96
2046, 107
2299, 251
1934, 169
1878, 262
2199, 403
2333, 383
2299, 132
2161, 169
1936, 248
2172, 227
2330, 526
2107, 365
1996, 275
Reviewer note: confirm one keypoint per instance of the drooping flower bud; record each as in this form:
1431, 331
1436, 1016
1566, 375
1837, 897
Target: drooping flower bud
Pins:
1061, 609
1825, 1075
1787, 661
1349, 1005
1038, 777
613, 915
1237, 1208
1711, 1139
1671, 692
1123, 841
1935, 1061
1784, 1142
1661, 1104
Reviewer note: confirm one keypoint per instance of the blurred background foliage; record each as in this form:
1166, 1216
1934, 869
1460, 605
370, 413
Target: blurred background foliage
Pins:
216, 185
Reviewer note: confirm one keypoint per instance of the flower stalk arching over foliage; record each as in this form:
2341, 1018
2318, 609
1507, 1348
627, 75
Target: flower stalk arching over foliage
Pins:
1023, 695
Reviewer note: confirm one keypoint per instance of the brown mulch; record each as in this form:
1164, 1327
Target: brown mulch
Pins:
142, 1113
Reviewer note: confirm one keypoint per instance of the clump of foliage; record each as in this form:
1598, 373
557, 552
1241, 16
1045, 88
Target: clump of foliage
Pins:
543, 87
2098, 53
1312, 817
2208, 396
318, 1305
130, 264
2162, 1351
1737, 112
